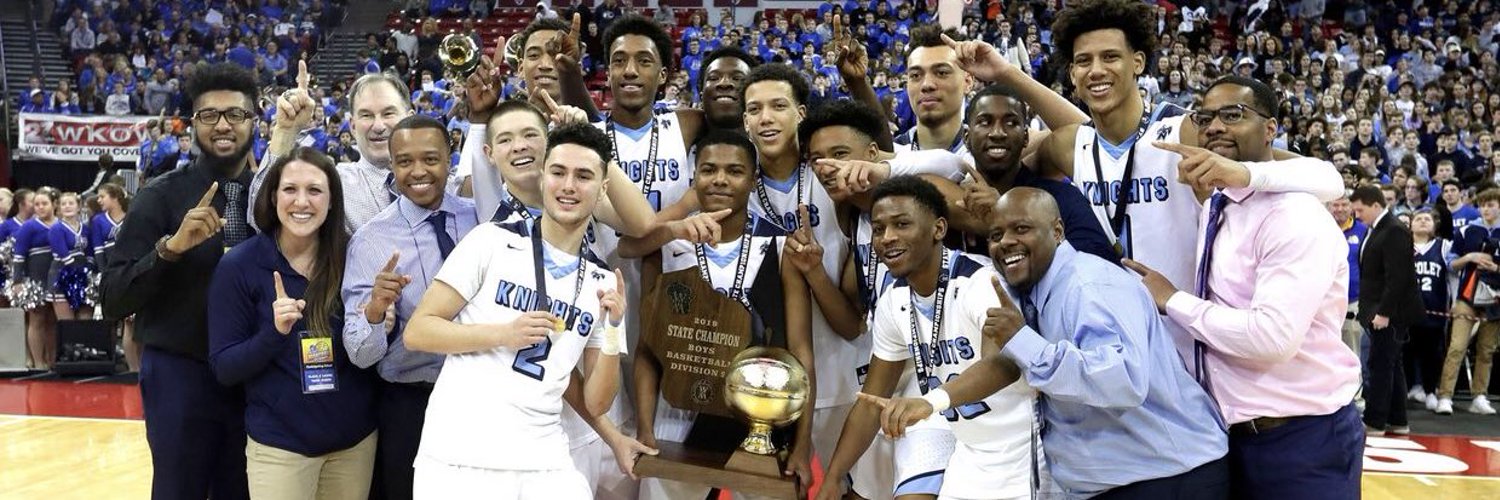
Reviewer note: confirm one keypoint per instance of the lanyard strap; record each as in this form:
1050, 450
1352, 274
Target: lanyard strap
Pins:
922, 363
736, 289
544, 302
648, 176
1117, 219
771, 212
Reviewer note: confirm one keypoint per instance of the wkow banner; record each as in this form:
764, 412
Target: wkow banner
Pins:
80, 138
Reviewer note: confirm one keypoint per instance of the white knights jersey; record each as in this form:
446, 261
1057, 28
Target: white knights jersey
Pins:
501, 399
838, 360
655, 159
722, 262
1160, 222
998, 428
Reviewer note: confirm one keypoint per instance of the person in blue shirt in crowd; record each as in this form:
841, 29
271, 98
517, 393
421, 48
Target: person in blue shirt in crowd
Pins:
38, 103
1120, 415
275, 324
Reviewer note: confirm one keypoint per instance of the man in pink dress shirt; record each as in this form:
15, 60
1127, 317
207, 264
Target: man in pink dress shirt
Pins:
1266, 319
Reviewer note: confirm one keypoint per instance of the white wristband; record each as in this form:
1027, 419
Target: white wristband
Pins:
611, 345
939, 399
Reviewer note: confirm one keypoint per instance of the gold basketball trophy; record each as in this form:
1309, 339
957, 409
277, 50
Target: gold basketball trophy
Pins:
703, 342
460, 55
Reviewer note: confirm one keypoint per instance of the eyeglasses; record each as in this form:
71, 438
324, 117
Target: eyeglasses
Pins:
211, 116
1230, 115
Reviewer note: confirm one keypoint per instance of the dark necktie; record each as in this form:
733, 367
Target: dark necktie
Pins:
1216, 205
235, 228
390, 189
439, 222
1028, 310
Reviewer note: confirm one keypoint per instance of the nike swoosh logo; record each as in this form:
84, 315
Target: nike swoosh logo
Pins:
678, 254
512, 247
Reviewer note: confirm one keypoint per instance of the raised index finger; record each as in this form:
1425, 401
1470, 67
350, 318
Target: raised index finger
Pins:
208, 196
390, 265
974, 172
280, 289
1000, 292
302, 76
1181, 149
803, 219
576, 27
838, 25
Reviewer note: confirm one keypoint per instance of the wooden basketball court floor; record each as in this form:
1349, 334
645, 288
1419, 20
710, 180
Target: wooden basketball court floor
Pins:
61, 440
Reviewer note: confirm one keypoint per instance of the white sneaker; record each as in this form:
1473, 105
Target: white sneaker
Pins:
1432, 401
1444, 407
1416, 394
1481, 405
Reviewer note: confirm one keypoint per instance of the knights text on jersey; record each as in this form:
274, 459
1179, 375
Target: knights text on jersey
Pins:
999, 427
1161, 214
838, 360
487, 402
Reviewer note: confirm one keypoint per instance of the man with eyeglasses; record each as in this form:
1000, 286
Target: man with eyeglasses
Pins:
177, 228
1266, 316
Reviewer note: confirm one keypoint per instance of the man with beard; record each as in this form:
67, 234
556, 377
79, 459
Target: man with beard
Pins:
1266, 315
159, 270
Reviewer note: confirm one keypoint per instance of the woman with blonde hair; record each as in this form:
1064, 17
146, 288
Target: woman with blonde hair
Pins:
71, 265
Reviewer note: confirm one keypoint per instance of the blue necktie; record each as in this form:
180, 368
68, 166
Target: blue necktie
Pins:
1028, 310
439, 222
1216, 205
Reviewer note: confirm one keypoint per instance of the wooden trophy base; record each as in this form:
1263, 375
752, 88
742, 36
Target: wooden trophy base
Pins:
740, 471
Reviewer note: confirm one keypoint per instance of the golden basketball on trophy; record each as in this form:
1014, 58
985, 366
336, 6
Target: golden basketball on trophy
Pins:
768, 388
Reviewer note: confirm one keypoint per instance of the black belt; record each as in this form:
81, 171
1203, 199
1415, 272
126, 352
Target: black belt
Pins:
1260, 425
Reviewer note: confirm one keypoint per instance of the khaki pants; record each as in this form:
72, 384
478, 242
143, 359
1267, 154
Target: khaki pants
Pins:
277, 474
1352, 331
1458, 343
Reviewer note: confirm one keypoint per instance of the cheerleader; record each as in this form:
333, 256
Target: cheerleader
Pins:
29, 290
17, 212
70, 262
101, 235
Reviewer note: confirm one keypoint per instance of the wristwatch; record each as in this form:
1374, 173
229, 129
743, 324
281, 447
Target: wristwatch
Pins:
163, 253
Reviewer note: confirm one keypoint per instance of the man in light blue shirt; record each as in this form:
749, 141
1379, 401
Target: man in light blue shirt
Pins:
392, 259
1120, 415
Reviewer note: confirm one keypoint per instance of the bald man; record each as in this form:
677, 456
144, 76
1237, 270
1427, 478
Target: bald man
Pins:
1122, 417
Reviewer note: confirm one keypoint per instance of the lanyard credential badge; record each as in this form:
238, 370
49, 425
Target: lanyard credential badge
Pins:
318, 375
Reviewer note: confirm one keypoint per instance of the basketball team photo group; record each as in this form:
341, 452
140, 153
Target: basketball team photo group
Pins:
749, 249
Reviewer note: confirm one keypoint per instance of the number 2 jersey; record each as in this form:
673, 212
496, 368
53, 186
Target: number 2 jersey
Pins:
999, 428
500, 408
